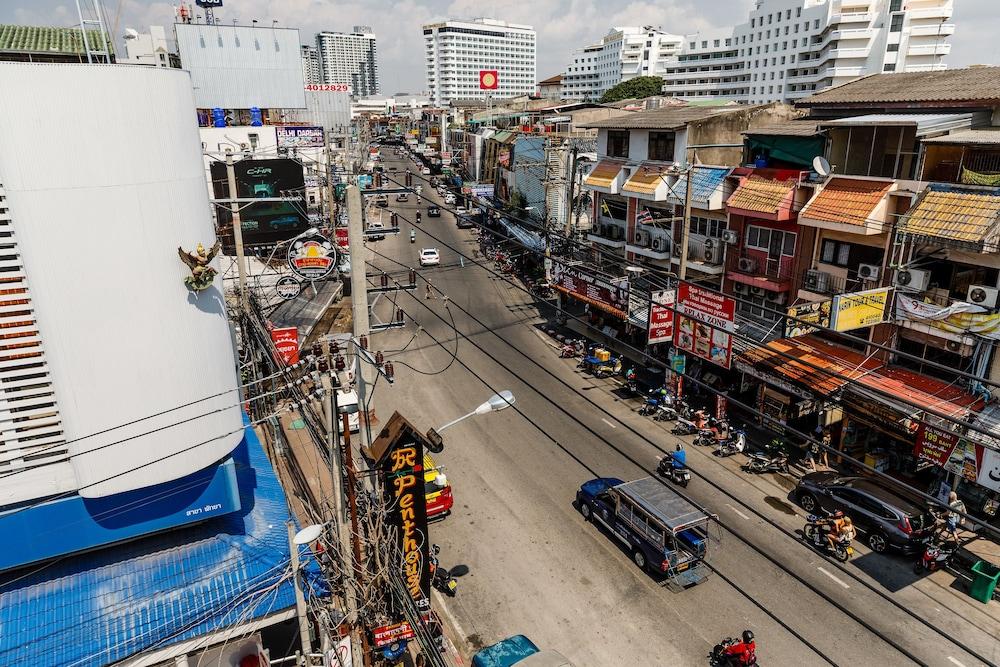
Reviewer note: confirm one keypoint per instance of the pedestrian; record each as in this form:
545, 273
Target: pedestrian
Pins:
812, 453
430, 292
954, 518
825, 453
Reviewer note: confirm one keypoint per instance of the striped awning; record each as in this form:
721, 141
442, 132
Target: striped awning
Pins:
604, 174
645, 180
957, 214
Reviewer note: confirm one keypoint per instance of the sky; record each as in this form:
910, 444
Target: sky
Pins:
562, 25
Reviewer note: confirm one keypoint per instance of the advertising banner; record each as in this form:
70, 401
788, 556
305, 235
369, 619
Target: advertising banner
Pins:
607, 294
286, 340
859, 310
388, 634
292, 136
934, 444
704, 325
989, 468
661, 317
488, 79
312, 257
266, 222
958, 318
817, 313
341, 233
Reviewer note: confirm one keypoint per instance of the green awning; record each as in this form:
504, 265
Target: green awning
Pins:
796, 150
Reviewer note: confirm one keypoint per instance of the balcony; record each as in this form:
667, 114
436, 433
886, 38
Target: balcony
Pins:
816, 284
939, 11
932, 30
755, 270
608, 232
942, 49
653, 243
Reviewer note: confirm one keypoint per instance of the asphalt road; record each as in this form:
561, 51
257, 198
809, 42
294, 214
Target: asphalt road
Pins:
536, 567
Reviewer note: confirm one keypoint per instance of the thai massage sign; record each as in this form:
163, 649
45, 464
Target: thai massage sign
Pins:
705, 323
399, 453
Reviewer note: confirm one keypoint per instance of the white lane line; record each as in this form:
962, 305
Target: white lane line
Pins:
833, 577
738, 512
451, 616
955, 662
608, 423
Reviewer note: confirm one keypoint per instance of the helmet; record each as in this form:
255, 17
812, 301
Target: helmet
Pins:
679, 446
747, 636
839, 514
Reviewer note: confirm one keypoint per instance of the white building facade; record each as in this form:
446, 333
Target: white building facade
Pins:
789, 49
311, 72
624, 53
350, 58
148, 48
456, 51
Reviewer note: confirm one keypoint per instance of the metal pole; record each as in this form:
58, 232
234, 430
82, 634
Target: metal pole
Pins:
331, 424
300, 601
361, 647
237, 228
686, 230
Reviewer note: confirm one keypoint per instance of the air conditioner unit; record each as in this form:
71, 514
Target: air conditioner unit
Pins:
916, 280
711, 255
641, 238
817, 281
677, 250
616, 232
747, 264
983, 295
868, 271
953, 346
730, 237
757, 291
778, 298
739, 288
709, 244
660, 244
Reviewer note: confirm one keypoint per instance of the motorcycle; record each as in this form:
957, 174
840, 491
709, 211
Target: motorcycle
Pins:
937, 555
735, 444
598, 368
761, 463
678, 475
413, 236
657, 397
684, 426
571, 349
441, 578
840, 547
709, 435
718, 657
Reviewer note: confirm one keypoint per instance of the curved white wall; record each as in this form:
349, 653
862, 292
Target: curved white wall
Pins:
104, 178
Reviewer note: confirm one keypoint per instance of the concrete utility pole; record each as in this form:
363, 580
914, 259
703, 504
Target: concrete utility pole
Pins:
300, 601
686, 229
359, 261
234, 207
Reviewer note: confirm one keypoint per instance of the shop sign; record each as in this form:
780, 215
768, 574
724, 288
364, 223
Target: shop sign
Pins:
608, 294
859, 309
989, 468
286, 341
387, 634
773, 380
661, 317
817, 313
293, 136
934, 444
446, 155
341, 235
678, 363
288, 287
312, 257
720, 407
704, 325
879, 415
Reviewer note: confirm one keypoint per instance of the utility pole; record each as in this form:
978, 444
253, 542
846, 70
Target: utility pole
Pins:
300, 601
234, 207
359, 261
568, 232
361, 649
686, 230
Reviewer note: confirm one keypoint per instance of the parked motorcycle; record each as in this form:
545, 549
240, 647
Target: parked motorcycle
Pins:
657, 397
840, 547
684, 426
571, 349
708, 436
676, 474
441, 578
734, 444
761, 463
937, 555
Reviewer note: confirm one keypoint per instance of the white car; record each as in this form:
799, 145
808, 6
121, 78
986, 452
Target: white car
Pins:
374, 229
449, 198
429, 257
425, 171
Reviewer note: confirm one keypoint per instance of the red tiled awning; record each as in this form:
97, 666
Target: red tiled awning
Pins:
849, 201
757, 194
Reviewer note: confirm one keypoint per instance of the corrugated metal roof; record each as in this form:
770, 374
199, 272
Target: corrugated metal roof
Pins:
970, 84
926, 123
661, 119
981, 135
44, 39
760, 194
104, 606
604, 173
963, 215
791, 128
846, 200
707, 180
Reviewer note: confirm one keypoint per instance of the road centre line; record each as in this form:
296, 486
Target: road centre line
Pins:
955, 662
833, 577
738, 512
608, 423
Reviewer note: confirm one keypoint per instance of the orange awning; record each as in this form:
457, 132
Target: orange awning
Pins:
762, 195
850, 201
645, 180
604, 174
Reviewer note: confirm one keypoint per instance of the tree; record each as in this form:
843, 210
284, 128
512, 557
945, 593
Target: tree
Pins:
639, 87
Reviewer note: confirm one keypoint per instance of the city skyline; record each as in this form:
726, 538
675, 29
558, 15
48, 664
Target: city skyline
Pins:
562, 26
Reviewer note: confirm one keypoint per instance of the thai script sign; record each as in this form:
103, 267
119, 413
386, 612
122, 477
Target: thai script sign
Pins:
705, 323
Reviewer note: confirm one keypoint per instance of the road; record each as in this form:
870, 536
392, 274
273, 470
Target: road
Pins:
536, 567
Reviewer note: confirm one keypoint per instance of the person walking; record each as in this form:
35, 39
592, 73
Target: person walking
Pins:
954, 518
812, 453
827, 440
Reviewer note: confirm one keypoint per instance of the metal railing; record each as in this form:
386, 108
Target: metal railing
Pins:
752, 265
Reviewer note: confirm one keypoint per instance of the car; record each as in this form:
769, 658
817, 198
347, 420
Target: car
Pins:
374, 229
433, 211
347, 404
429, 257
381, 200
890, 519
464, 221
426, 171
437, 490
402, 196
393, 168
449, 198
518, 650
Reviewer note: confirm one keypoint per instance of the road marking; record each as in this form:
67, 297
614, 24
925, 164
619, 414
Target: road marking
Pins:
608, 423
955, 662
737, 511
833, 577
451, 617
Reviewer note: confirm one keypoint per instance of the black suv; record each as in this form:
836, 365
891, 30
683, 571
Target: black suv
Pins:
433, 211
889, 518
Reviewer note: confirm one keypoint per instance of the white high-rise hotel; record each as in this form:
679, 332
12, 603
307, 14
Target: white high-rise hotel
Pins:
350, 58
789, 49
456, 51
622, 54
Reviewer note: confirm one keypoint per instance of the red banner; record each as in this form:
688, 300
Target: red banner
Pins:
388, 634
705, 322
341, 234
607, 294
934, 444
488, 79
286, 340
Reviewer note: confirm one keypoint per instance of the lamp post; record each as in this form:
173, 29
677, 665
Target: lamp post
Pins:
494, 403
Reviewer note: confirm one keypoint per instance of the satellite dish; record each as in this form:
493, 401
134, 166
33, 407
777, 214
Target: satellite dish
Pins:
131, 33
821, 166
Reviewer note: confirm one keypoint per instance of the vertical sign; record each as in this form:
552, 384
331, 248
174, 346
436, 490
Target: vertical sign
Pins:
661, 317
286, 340
403, 470
705, 323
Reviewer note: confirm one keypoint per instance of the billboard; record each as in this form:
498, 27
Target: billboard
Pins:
297, 136
859, 309
266, 222
661, 317
704, 324
607, 294
817, 313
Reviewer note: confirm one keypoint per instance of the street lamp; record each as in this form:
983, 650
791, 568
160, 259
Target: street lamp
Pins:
309, 534
494, 403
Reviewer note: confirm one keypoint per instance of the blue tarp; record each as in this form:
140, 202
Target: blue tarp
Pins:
706, 181
104, 606
529, 239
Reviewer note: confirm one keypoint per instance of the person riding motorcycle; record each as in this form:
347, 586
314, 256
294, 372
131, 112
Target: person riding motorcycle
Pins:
834, 528
418, 216
678, 458
742, 653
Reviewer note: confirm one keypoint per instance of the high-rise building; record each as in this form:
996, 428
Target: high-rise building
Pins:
311, 72
789, 49
350, 58
148, 48
457, 51
622, 54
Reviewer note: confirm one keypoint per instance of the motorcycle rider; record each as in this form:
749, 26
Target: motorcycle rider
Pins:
678, 458
833, 528
418, 216
742, 653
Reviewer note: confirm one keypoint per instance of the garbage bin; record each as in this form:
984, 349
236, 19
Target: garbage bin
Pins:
984, 580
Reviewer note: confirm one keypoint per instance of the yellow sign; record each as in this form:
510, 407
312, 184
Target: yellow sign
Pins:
859, 310
415, 133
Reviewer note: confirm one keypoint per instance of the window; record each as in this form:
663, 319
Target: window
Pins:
773, 241
661, 146
895, 5
897, 23
889, 68
707, 226
617, 143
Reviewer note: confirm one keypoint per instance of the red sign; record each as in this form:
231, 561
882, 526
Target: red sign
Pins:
705, 323
608, 294
286, 340
934, 444
388, 634
661, 317
720, 407
341, 233
488, 79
